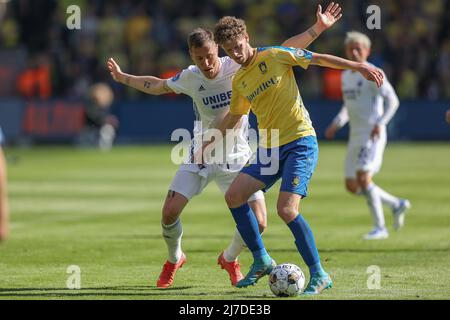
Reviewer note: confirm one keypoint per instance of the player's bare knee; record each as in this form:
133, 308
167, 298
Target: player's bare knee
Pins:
170, 213
234, 199
352, 187
286, 213
363, 182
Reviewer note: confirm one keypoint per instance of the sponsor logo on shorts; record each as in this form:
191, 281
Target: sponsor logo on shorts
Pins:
296, 181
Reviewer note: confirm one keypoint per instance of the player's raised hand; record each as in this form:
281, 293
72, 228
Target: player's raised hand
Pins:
372, 74
114, 69
329, 17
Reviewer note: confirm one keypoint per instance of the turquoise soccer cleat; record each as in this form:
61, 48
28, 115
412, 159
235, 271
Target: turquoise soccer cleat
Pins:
318, 283
258, 270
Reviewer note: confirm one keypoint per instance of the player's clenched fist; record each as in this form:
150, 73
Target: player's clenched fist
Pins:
115, 71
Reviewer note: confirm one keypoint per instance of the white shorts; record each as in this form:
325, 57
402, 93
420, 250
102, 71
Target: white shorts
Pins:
190, 180
364, 156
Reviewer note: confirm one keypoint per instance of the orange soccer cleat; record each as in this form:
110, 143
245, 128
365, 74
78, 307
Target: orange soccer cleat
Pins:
233, 268
168, 272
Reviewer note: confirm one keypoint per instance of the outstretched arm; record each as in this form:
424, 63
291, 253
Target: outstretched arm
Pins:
330, 61
147, 84
324, 21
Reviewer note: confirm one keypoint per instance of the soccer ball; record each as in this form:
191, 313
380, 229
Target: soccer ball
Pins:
286, 280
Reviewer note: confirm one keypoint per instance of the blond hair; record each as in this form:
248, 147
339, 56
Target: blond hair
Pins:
358, 37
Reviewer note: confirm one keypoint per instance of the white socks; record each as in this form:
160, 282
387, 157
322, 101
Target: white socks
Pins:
172, 235
375, 205
387, 198
235, 248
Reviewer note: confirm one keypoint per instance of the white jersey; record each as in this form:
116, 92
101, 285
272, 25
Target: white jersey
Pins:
211, 101
365, 105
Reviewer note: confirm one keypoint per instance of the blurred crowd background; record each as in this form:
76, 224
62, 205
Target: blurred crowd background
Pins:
149, 38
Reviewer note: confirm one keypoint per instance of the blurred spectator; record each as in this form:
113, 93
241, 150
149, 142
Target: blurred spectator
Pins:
35, 81
149, 37
101, 125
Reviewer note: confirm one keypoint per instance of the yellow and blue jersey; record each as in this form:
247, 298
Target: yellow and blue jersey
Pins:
267, 86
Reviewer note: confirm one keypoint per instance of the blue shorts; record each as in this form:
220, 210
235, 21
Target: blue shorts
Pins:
2, 138
294, 164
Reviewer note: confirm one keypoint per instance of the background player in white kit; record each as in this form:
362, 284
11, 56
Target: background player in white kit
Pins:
208, 83
368, 109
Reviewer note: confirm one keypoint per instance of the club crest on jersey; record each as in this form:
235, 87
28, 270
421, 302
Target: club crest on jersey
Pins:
263, 67
296, 181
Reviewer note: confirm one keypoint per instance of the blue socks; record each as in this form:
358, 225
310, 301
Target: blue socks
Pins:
248, 228
304, 239
306, 245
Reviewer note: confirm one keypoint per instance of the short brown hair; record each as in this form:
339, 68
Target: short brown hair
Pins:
198, 37
229, 28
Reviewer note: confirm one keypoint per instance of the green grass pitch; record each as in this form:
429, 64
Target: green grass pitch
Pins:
101, 212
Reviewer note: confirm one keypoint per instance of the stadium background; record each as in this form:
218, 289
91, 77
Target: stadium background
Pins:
46, 69
101, 211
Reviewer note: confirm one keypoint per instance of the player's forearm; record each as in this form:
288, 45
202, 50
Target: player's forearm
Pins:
229, 122
341, 118
148, 84
390, 109
303, 40
330, 61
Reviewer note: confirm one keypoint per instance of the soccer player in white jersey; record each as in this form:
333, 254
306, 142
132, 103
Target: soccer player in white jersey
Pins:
368, 109
209, 83
4, 213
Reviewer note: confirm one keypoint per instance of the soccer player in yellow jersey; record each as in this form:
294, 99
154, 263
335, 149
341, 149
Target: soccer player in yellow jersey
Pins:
265, 84
209, 77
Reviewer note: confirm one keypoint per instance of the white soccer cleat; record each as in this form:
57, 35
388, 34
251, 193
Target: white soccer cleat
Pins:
377, 234
399, 213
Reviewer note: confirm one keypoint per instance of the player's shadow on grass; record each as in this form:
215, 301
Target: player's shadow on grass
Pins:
119, 291
195, 237
341, 250
143, 291
385, 250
